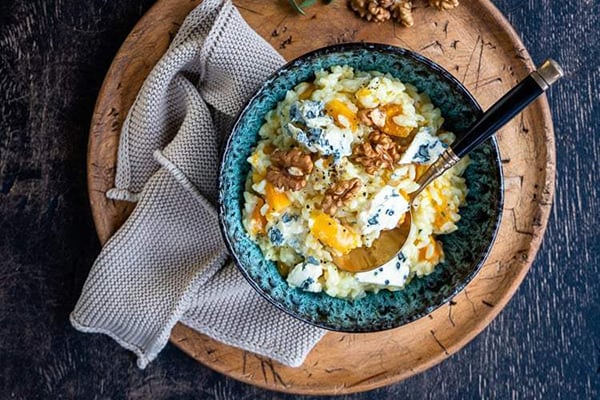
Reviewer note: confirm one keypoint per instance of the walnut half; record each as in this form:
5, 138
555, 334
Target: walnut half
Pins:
379, 151
372, 10
372, 116
339, 194
402, 12
444, 4
289, 169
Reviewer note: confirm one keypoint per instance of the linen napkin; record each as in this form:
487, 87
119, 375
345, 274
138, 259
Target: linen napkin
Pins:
168, 262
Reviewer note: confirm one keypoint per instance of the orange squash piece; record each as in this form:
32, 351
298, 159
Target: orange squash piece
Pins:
256, 177
437, 255
258, 221
332, 233
336, 109
390, 127
277, 200
307, 92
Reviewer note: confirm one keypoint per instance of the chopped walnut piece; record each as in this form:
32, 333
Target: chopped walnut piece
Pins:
372, 10
444, 4
372, 116
289, 169
339, 194
363, 116
402, 12
378, 117
379, 151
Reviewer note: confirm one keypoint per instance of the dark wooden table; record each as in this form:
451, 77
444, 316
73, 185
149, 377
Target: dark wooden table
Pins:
53, 57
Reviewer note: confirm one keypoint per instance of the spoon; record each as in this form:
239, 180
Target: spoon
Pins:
391, 242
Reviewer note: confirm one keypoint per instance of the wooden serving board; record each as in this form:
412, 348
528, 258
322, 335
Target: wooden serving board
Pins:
477, 45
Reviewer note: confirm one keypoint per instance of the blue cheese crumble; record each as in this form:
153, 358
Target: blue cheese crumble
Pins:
316, 131
392, 274
305, 276
424, 149
383, 212
286, 231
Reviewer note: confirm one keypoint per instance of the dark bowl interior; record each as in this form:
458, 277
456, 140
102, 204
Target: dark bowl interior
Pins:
466, 249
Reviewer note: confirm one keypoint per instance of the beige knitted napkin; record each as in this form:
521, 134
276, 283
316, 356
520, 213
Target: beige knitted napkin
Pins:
168, 262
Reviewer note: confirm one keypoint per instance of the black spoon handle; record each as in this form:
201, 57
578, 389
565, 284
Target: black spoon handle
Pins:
493, 119
508, 106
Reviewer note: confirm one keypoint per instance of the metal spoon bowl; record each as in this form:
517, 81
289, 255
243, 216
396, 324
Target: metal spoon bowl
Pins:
391, 242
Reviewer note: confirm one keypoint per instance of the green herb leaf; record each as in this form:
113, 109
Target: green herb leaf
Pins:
307, 3
296, 7
304, 4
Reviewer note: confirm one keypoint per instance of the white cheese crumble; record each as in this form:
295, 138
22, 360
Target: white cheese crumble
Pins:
305, 276
317, 132
392, 274
286, 230
383, 212
425, 148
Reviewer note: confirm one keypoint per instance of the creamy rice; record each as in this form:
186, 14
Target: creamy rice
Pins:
292, 228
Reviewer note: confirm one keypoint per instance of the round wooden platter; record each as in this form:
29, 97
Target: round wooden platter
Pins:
477, 45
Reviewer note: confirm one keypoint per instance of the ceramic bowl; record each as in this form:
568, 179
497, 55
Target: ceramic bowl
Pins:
466, 249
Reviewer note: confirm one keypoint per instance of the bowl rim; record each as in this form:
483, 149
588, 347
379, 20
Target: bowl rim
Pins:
339, 48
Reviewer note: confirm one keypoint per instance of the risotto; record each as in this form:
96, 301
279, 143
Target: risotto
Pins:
334, 167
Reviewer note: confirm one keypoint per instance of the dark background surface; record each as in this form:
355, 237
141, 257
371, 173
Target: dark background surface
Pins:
53, 57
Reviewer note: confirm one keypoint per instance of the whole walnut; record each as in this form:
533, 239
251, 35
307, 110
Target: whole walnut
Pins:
339, 194
289, 169
378, 151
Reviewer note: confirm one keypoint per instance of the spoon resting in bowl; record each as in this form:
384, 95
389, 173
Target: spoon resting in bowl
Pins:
391, 242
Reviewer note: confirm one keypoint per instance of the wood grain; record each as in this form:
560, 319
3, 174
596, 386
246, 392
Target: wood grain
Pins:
478, 46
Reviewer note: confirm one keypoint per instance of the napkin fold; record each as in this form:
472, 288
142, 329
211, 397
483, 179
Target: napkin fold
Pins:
168, 261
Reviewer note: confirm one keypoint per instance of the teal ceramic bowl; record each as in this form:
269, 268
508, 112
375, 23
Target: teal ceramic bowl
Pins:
466, 249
